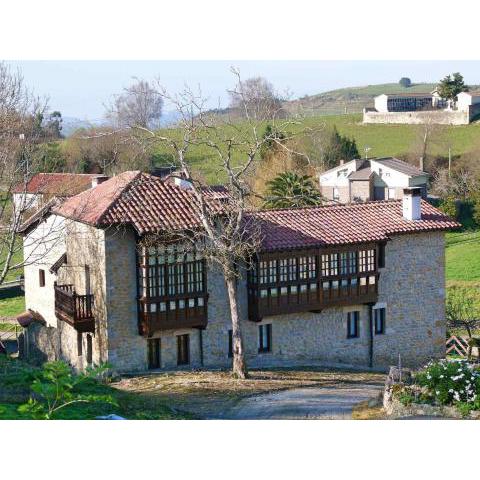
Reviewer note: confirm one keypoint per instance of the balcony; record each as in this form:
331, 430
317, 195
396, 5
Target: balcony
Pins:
74, 309
311, 297
172, 313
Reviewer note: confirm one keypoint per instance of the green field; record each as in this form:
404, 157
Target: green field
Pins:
463, 257
383, 140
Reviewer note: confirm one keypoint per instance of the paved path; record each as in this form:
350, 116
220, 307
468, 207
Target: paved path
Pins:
304, 403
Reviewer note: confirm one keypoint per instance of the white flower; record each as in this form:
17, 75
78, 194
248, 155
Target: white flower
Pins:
441, 376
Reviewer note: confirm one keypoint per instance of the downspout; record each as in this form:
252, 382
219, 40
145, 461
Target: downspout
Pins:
200, 337
370, 349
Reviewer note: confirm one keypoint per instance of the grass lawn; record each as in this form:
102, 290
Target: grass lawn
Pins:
463, 257
17, 376
12, 306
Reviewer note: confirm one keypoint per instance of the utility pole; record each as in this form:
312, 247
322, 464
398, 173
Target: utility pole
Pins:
367, 149
449, 160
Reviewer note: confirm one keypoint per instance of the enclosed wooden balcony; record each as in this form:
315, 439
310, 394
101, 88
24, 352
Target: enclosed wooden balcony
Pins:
313, 280
76, 310
171, 313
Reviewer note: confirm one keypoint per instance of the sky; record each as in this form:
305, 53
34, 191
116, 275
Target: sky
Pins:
81, 89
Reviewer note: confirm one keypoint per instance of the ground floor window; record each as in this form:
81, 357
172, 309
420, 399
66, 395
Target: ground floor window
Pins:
379, 320
353, 321
265, 338
183, 349
79, 344
89, 350
230, 343
153, 353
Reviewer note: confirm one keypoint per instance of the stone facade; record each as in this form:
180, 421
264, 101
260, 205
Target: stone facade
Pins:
413, 276
411, 289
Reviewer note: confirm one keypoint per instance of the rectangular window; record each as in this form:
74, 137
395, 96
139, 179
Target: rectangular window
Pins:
292, 269
379, 320
352, 262
41, 278
79, 344
265, 338
153, 353
89, 350
344, 263
312, 267
230, 343
336, 194
272, 271
183, 349
370, 260
391, 193
302, 268
325, 266
353, 320
381, 255
263, 272
283, 267
334, 264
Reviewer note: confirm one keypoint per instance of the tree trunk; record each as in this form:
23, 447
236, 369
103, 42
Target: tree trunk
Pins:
239, 366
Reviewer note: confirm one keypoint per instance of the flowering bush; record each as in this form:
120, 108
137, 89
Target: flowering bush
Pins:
451, 382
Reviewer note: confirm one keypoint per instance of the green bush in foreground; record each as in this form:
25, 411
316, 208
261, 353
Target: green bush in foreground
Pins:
56, 388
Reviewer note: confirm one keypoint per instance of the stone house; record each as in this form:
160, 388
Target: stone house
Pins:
371, 179
355, 284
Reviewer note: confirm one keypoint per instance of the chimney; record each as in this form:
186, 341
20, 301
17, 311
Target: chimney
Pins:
342, 162
99, 179
412, 203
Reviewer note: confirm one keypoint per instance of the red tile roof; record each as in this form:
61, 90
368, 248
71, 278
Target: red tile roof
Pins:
60, 184
146, 202
344, 224
152, 205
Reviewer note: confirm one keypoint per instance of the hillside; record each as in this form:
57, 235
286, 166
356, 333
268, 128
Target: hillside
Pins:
383, 140
351, 99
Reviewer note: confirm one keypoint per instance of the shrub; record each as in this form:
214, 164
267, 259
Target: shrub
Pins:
450, 381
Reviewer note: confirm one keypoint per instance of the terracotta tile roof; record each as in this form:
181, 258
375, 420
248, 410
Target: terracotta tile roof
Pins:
344, 224
60, 184
146, 202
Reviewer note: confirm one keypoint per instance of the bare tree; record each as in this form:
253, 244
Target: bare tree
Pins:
258, 96
21, 113
140, 105
228, 235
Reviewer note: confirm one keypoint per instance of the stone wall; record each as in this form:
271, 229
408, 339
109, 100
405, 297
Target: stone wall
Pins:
411, 289
441, 117
343, 192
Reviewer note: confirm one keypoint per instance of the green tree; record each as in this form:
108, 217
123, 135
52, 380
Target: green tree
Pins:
405, 82
450, 86
290, 190
476, 207
49, 158
339, 147
56, 388
271, 139
449, 206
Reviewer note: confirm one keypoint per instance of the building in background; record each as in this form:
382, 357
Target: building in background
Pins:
373, 179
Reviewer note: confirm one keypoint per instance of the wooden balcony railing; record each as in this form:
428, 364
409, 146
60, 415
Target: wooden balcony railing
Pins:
76, 310
314, 295
172, 312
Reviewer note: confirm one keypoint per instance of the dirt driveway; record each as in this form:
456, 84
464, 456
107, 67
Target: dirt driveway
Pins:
277, 393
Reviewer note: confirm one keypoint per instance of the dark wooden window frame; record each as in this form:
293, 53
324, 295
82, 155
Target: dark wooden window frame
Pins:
172, 286
353, 316
230, 344
183, 349
154, 353
337, 276
265, 329
41, 277
379, 320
